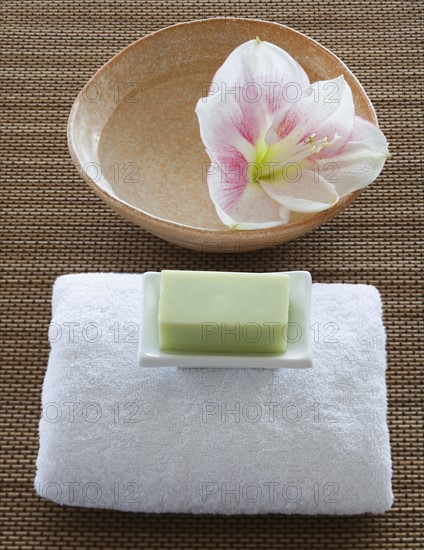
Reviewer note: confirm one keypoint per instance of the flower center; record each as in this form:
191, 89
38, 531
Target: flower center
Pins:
258, 169
274, 162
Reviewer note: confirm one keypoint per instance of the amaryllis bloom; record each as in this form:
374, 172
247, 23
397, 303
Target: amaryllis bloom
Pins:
279, 144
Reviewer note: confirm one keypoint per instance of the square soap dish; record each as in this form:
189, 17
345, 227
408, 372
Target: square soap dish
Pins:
297, 355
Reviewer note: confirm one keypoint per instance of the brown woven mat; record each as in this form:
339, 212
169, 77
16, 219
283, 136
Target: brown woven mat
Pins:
56, 225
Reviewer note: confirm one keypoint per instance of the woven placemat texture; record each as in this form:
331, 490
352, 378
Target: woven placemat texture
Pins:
54, 224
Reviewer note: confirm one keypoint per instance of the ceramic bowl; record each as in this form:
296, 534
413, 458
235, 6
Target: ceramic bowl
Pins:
134, 136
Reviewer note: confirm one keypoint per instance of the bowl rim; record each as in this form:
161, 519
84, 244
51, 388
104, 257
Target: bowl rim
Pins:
132, 211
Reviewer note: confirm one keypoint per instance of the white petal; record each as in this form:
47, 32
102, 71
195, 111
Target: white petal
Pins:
326, 110
228, 127
244, 205
309, 193
360, 161
261, 72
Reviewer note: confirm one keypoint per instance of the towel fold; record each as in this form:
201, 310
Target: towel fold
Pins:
229, 441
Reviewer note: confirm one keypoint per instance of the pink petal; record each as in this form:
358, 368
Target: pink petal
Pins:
308, 193
326, 110
262, 73
229, 127
243, 204
359, 162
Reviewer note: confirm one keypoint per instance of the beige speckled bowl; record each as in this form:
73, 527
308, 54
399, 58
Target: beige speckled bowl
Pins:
134, 136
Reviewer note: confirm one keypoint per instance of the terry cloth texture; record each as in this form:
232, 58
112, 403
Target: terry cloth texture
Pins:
228, 441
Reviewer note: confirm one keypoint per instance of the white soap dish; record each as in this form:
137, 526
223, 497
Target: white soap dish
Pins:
297, 355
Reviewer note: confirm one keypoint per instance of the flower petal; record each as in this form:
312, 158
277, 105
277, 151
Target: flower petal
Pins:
261, 73
242, 204
360, 161
309, 193
229, 126
324, 111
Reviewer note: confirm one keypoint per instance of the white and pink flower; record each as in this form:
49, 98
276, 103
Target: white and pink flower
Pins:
279, 144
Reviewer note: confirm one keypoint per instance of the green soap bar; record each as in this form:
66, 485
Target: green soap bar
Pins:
218, 312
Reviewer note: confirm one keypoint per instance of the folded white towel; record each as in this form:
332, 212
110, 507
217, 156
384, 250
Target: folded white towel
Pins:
230, 441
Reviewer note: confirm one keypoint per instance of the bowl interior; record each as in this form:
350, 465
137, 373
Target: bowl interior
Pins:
133, 129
